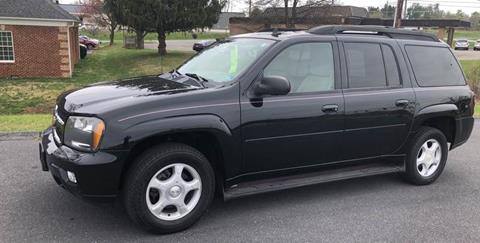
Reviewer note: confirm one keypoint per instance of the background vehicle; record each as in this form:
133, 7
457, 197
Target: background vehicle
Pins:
262, 112
90, 43
83, 51
199, 46
462, 44
477, 45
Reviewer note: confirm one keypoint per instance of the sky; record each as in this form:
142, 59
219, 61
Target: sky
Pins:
467, 6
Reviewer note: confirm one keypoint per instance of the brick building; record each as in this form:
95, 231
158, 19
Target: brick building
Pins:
37, 39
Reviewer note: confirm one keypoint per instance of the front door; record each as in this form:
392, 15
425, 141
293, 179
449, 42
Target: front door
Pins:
303, 128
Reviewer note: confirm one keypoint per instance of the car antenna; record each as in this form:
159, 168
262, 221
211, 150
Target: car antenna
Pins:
276, 33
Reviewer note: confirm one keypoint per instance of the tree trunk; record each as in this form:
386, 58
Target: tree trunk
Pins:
287, 22
112, 35
162, 45
294, 14
139, 42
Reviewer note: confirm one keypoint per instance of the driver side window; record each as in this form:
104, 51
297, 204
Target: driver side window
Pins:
308, 66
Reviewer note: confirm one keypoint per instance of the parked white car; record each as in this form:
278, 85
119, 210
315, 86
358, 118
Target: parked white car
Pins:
461, 44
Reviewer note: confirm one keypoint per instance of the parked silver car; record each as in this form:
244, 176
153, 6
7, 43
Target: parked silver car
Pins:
461, 44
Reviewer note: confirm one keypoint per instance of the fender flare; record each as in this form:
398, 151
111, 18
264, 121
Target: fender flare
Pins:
194, 123
441, 110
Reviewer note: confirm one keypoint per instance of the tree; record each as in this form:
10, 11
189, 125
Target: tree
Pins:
388, 11
256, 12
103, 14
432, 11
374, 12
181, 15
137, 16
292, 8
111, 14
475, 20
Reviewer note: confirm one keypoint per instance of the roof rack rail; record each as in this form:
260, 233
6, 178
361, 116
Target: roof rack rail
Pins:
279, 29
373, 30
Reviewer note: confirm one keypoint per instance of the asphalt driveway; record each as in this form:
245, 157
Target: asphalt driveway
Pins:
383, 208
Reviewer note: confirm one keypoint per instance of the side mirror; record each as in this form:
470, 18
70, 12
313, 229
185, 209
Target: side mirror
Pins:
272, 85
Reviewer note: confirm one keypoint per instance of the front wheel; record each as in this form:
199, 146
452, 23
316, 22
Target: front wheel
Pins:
168, 188
427, 156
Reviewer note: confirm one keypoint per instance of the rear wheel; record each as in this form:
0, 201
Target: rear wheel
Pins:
169, 188
427, 156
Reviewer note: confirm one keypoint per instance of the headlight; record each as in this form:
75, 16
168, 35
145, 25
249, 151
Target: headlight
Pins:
84, 133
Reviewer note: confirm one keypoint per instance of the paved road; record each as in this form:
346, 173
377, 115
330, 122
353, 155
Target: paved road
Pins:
468, 55
383, 208
173, 45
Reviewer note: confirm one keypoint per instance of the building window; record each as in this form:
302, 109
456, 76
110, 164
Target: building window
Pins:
6, 47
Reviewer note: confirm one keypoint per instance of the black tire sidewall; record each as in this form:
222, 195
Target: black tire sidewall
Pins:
423, 135
151, 163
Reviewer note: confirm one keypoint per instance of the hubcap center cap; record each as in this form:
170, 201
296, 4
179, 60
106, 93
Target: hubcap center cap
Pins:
175, 191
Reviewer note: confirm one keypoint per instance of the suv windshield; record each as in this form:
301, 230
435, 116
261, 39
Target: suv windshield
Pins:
225, 60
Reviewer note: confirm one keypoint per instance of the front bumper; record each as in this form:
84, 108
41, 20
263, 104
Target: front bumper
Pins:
98, 175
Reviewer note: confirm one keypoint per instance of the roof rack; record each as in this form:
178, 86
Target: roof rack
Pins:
279, 29
373, 30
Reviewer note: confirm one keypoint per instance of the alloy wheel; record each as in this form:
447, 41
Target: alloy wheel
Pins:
429, 157
174, 191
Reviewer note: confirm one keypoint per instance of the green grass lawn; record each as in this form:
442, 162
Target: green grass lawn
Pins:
25, 123
26, 96
104, 35
467, 34
20, 98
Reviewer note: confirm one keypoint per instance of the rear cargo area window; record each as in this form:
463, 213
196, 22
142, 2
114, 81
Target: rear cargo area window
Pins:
434, 66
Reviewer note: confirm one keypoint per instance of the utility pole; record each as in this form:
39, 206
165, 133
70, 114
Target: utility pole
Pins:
397, 19
249, 8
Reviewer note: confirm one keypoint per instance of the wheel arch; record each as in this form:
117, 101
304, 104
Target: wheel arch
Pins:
209, 134
441, 117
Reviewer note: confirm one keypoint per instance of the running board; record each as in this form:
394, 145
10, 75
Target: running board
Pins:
286, 182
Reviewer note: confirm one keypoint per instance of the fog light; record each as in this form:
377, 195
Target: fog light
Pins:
71, 177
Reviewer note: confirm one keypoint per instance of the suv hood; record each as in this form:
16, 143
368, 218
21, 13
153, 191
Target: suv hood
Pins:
114, 93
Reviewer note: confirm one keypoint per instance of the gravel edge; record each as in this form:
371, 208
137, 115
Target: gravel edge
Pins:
9, 136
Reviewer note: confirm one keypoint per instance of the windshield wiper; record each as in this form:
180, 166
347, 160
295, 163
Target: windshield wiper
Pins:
196, 76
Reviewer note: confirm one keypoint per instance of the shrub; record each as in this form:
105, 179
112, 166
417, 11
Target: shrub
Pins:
473, 77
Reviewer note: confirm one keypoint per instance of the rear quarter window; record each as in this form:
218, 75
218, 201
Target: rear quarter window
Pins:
434, 66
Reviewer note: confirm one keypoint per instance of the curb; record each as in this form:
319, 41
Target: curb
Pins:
9, 136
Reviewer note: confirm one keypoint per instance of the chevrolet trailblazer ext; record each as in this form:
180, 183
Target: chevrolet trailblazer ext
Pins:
262, 112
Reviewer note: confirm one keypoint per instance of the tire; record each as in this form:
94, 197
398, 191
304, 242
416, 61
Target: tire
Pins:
418, 175
138, 202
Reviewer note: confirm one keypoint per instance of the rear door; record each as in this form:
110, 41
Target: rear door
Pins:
379, 99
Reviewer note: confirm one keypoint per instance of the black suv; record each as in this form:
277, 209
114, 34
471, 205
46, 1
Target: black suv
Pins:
261, 112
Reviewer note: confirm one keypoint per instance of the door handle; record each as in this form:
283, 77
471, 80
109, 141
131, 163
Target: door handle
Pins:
402, 103
330, 108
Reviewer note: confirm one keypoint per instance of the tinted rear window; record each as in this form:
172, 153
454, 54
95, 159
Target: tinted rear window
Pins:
365, 65
434, 66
